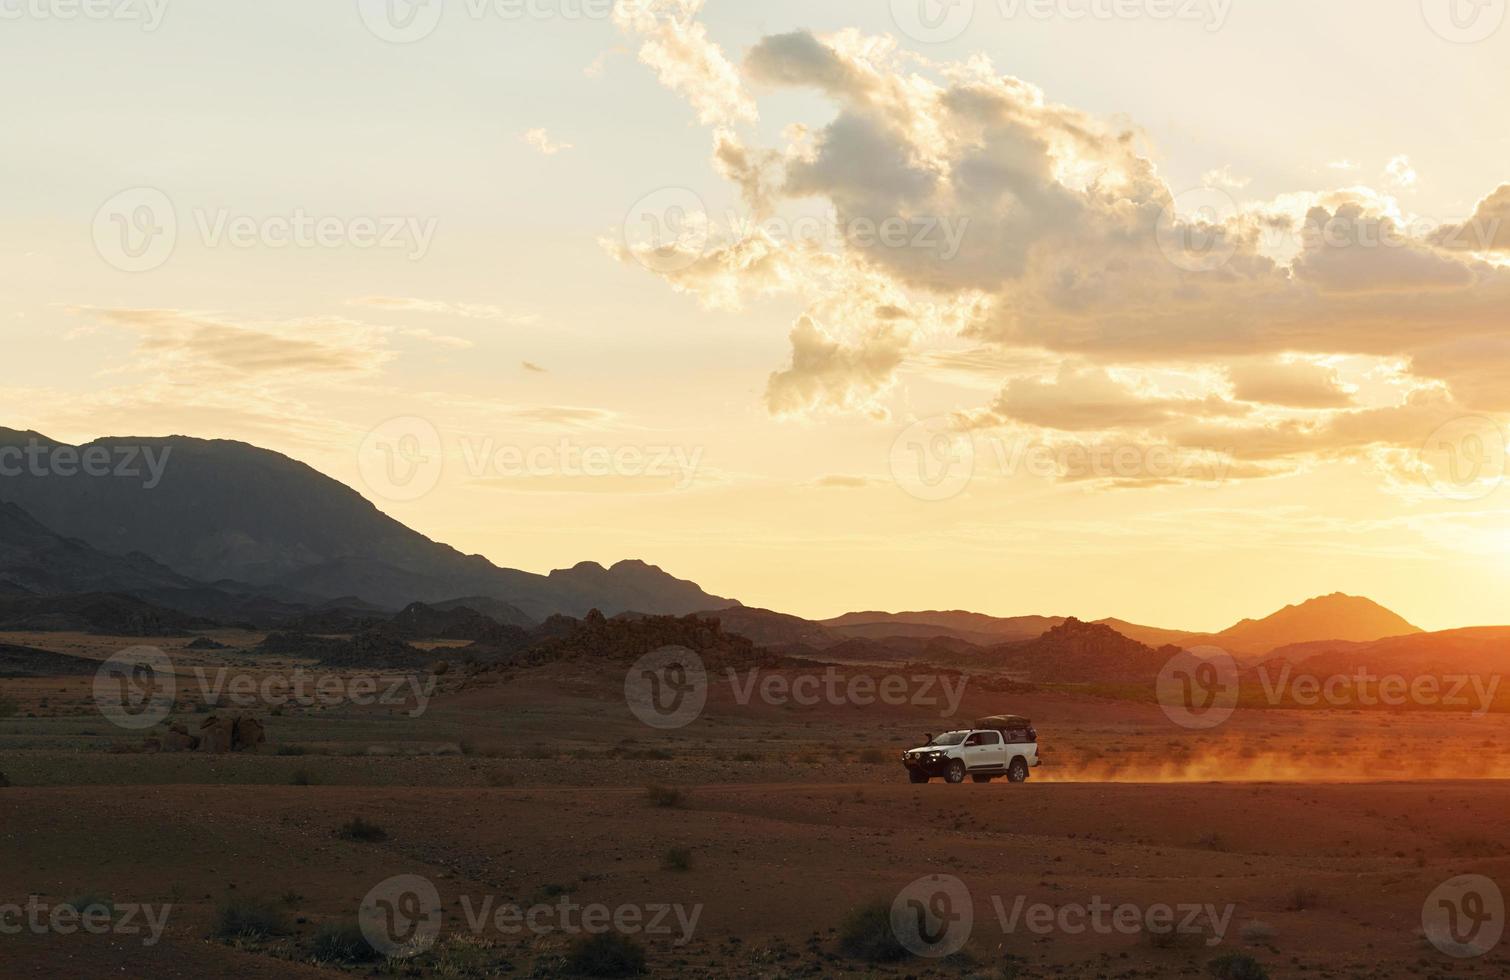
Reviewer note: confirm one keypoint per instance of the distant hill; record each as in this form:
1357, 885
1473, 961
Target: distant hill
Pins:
1075, 652
1479, 650
34, 559
104, 613
1333, 617
766, 628
976, 628
228, 510
1152, 635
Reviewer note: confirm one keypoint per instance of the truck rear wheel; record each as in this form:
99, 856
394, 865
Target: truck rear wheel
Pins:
1017, 772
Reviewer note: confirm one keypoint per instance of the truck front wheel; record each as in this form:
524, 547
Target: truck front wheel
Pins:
956, 772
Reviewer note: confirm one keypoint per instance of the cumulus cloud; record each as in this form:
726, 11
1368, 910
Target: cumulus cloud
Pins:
469, 311
1487, 231
1075, 251
542, 141
1293, 384
205, 346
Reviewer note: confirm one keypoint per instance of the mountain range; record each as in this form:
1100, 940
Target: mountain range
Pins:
229, 532
230, 512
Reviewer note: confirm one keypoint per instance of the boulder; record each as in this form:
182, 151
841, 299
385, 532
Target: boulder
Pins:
217, 734
178, 740
249, 735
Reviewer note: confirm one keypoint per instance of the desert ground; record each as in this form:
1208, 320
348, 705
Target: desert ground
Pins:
755, 833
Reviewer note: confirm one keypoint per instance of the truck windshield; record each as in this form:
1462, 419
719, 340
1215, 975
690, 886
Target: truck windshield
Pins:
949, 738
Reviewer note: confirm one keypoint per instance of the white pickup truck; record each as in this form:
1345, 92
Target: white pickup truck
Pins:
1002, 745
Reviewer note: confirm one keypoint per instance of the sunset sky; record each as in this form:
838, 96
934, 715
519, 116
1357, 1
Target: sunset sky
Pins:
1169, 311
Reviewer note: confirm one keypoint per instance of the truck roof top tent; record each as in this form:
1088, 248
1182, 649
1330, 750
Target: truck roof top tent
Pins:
1004, 721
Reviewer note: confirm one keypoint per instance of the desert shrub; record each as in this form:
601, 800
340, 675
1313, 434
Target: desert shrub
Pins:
665, 796
747, 757
342, 942
677, 859
301, 777
86, 904
501, 779
1257, 932
362, 831
4, 782
1237, 966
1302, 898
249, 918
607, 954
866, 935
8, 708
286, 749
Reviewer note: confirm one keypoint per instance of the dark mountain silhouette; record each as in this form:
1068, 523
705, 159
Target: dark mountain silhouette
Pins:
110, 614
18, 661
228, 510
974, 627
1153, 636
1077, 652
33, 559
767, 628
495, 609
